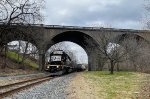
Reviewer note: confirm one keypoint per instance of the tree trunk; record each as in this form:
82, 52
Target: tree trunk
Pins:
4, 65
1, 49
112, 67
23, 57
19, 51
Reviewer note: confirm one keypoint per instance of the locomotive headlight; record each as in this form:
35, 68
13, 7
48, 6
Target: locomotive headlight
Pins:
57, 66
47, 66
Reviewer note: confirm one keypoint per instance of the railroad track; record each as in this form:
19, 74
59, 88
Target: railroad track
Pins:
15, 87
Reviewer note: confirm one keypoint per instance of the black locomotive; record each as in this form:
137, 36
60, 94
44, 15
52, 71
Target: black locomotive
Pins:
59, 62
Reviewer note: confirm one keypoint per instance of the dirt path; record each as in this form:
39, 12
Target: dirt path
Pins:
81, 88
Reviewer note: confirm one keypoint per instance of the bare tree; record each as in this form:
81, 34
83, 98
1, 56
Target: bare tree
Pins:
140, 57
18, 12
114, 51
24, 50
33, 51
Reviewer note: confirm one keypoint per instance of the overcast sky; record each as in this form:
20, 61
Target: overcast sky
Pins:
114, 13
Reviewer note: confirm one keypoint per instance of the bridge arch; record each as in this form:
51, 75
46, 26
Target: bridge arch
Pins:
121, 37
15, 36
141, 44
83, 40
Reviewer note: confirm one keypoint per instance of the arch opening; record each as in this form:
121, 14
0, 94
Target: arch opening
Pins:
77, 37
77, 54
85, 41
16, 36
22, 54
135, 50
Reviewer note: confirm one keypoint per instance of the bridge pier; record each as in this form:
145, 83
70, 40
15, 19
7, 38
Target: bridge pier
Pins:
41, 60
94, 60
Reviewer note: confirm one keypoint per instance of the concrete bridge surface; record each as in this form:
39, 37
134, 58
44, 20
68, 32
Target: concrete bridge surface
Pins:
44, 36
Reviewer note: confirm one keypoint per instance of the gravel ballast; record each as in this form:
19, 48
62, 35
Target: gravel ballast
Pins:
18, 78
53, 89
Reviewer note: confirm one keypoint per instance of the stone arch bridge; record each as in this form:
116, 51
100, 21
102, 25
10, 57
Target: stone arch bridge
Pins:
44, 36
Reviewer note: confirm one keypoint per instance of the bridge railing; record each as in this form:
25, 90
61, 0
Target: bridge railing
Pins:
52, 26
74, 27
70, 27
86, 28
90, 28
83, 28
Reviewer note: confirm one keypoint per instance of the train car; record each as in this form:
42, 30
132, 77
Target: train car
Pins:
59, 62
80, 67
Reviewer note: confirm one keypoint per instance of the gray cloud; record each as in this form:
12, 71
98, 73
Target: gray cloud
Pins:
117, 13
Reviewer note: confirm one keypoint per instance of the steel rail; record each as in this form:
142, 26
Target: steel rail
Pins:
15, 87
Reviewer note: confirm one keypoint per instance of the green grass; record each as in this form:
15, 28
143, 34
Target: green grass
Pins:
14, 56
120, 85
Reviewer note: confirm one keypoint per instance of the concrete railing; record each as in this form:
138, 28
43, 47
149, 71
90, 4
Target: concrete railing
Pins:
77, 27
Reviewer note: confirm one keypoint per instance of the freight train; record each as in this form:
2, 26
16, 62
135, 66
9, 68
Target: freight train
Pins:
59, 62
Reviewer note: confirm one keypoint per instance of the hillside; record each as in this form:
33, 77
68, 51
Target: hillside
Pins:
13, 65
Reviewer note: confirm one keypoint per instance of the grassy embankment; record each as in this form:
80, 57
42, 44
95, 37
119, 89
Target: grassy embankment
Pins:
120, 85
14, 56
